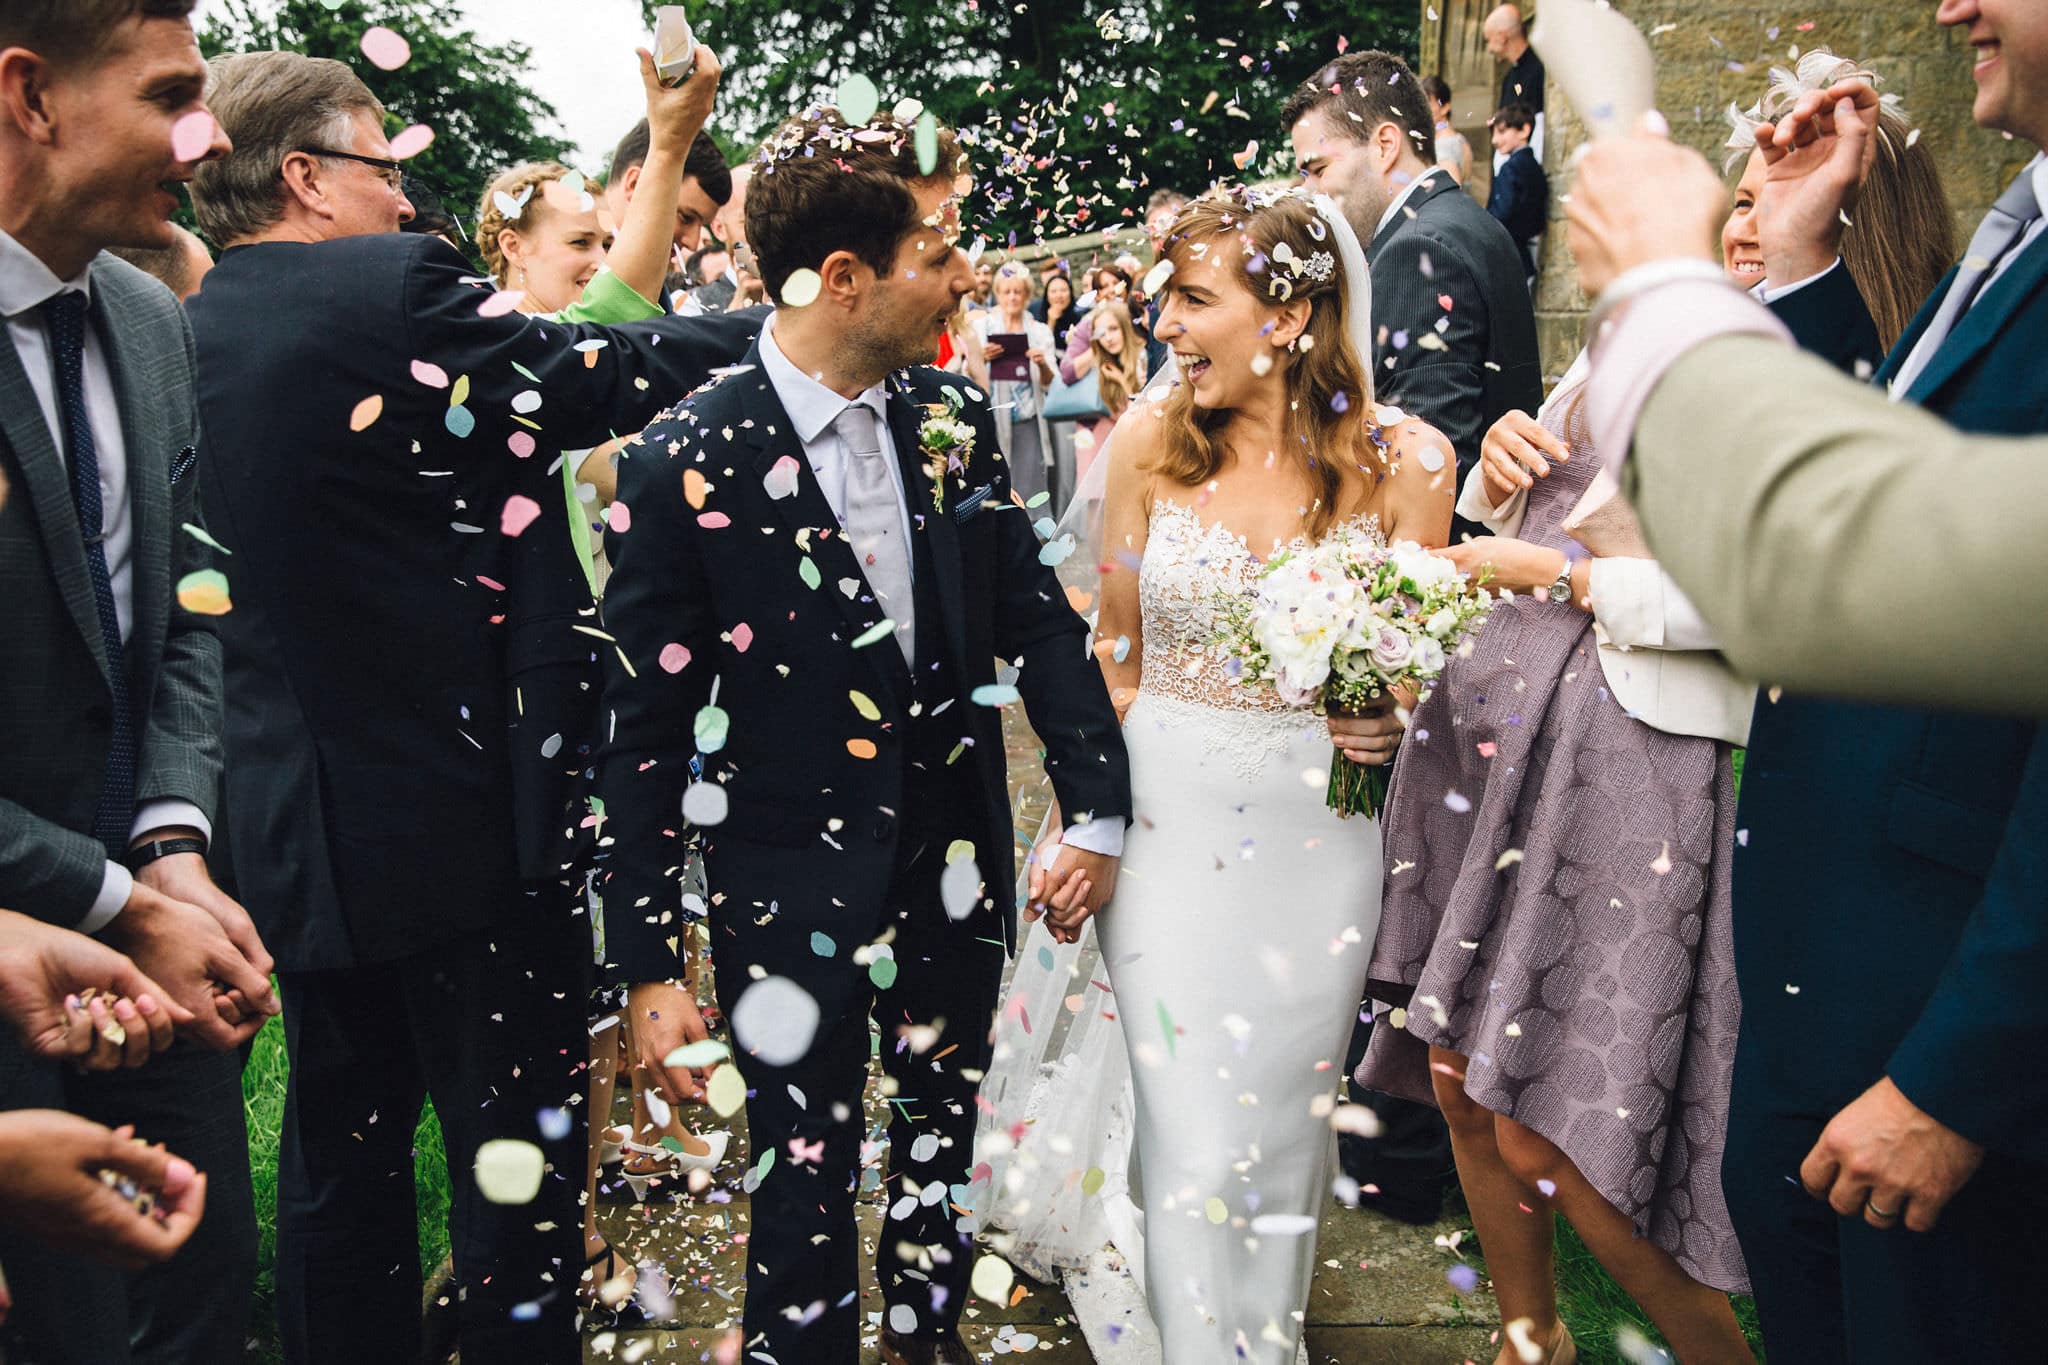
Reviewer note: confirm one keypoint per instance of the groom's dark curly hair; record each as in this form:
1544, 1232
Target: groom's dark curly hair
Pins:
822, 185
1364, 90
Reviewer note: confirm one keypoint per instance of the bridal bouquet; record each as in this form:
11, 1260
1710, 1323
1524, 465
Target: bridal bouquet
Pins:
1343, 624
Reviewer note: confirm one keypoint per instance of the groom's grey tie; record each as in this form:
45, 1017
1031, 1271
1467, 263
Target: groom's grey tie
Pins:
1997, 235
874, 522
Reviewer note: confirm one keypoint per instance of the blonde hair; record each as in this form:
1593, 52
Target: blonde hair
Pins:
528, 179
1901, 238
1329, 386
1130, 362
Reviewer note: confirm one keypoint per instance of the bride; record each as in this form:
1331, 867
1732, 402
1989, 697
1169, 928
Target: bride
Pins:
1190, 1068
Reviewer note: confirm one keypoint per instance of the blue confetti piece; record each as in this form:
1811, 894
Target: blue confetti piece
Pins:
822, 944
461, 422
993, 694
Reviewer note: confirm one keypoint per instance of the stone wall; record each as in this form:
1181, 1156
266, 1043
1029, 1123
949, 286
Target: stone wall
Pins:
1711, 53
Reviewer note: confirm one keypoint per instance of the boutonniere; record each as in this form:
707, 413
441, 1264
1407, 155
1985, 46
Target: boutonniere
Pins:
945, 441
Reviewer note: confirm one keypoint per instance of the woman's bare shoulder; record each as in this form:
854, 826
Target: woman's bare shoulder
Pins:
1416, 450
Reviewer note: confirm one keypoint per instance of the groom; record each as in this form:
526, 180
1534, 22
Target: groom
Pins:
808, 610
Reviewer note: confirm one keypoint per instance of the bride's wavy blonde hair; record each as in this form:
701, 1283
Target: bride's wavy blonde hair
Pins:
1273, 237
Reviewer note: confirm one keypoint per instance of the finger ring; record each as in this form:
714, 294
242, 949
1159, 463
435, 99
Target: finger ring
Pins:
1882, 1215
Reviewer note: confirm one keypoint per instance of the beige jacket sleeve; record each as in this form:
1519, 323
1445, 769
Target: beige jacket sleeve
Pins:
1840, 543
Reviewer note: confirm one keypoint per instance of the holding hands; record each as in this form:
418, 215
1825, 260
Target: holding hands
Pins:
191, 936
1067, 886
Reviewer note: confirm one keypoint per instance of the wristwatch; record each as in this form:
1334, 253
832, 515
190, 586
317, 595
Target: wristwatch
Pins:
142, 855
1561, 589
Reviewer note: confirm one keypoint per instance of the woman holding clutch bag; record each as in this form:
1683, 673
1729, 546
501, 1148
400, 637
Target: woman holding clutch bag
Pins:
1019, 401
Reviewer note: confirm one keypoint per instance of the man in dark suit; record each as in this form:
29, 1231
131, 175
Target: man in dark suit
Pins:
1890, 930
411, 683
808, 607
1519, 199
1507, 40
1456, 346
110, 696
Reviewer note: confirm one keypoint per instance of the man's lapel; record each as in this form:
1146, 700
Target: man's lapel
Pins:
809, 517
1915, 329
149, 465
935, 524
1985, 319
1434, 181
49, 491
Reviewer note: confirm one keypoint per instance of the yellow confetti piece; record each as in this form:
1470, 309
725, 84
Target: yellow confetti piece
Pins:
1218, 1213
367, 412
865, 705
993, 1279
459, 395
725, 1092
508, 1171
861, 748
802, 288
1091, 1183
960, 851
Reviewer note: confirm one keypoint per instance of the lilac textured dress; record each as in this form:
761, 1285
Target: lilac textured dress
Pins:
1557, 910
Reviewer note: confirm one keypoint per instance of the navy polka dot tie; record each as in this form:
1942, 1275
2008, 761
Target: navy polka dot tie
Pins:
65, 315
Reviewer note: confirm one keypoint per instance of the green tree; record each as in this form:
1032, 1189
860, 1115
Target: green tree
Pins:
473, 94
1075, 112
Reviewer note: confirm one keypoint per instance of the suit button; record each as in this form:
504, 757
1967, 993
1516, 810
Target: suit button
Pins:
885, 827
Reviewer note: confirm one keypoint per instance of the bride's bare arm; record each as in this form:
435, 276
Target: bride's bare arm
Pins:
1126, 507
1415, 504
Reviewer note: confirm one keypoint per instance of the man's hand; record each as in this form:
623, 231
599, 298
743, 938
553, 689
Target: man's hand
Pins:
50, 1187
1371, 736
663, 1016
186, 949
1516, 565
677, 113
1516, 452
43, 969
184, 877
1068, 886
1641, 199
1884, 1157
1816, 159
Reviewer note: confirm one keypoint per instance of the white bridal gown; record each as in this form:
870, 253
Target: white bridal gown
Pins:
1232, 962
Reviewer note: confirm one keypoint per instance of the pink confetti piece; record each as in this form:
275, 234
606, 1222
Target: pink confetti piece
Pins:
1487, 748
192, 136
742, 637
521, 444
520, 513
674, 658
493, 584
430, 374
781, 478
499, 302
714, 521
619, 517
411, 142
386, 50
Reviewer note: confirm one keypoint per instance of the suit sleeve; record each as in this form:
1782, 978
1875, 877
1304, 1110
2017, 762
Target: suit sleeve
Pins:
594, 382
1057, 679
180, 755
653, 601
1986, 1017
1831, 542
1439, 371
47, 871
1829, 319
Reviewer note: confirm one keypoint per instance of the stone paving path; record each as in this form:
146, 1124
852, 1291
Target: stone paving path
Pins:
1380, 1295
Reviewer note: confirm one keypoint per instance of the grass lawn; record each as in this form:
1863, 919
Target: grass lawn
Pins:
263, 1102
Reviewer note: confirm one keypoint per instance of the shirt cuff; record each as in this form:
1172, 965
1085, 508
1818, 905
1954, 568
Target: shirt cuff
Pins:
1104, 837
168, 813
1633, 350
115, 885
1763, 293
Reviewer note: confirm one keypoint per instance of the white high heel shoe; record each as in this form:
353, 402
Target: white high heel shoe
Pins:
677, 1163
611, 1148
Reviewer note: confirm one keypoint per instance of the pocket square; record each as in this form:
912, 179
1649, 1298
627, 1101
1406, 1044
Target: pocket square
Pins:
972, 505
182, 465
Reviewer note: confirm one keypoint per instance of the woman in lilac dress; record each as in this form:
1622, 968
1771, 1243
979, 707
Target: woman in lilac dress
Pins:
1556, 923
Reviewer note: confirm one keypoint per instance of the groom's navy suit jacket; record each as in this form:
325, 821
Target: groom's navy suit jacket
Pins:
734, 555
1892, 897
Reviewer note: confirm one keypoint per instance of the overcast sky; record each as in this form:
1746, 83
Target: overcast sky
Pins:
582, 62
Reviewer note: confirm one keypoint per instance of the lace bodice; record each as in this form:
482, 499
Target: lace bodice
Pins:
1188, 563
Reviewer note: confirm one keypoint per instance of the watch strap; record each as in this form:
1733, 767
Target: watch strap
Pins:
142, 855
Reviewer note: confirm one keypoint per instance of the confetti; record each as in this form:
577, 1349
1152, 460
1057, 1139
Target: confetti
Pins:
410, 142
192, 136
802, 288
780, 481
725, 1092
857, 99
205, 593
508, 1171
433, 376
366, 413
520, 512
775, 1019
993, 1279
705, 804
386, 50
674, 657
